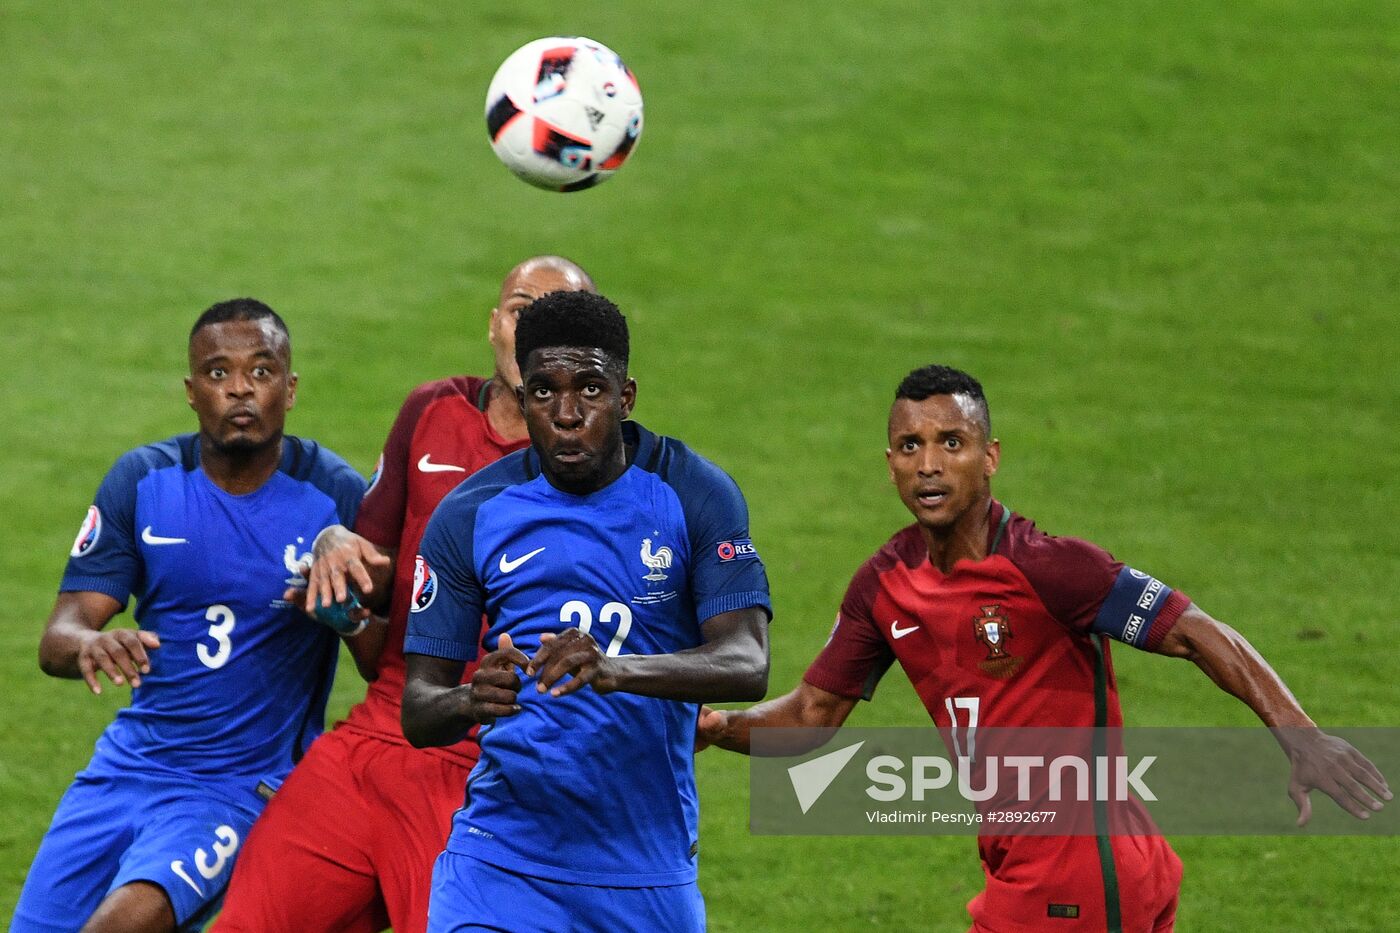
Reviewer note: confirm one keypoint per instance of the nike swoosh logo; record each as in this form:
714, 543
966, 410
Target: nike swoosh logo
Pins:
157, 539
178, 867
898, 632
508, 565
427, 466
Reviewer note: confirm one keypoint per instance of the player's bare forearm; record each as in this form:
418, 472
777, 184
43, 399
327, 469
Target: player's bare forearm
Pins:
435, 703
1228, 659
74, 644
1317, 760
439, 710
368, 645
731, 665
806, 707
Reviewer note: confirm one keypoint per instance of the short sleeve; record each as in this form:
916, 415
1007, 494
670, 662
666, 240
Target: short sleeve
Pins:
726, 572
104, 557
1090, 592
446, 604
381, 514
332, 475
856, 655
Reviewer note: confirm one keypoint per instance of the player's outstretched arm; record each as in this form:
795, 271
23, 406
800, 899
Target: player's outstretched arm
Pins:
438, 709
806, 707
1318, 760
731, 663
75, 645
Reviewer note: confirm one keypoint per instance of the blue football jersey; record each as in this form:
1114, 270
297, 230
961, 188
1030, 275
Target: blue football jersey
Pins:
586, 788
238, 687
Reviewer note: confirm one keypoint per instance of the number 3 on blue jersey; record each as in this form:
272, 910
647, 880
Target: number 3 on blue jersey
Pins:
222, 622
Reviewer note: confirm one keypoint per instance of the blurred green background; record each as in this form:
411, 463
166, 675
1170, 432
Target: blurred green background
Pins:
1163, 235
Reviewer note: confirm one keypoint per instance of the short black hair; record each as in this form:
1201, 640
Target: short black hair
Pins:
241, 309
572, 319
931, 380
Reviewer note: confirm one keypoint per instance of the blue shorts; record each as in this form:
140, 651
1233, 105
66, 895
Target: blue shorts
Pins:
112, 830
472, 895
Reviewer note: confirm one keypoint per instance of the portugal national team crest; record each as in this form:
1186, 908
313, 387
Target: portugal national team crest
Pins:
993, 629
424, 586
88, 533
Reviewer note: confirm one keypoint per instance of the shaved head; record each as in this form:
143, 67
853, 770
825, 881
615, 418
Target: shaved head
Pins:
536, 276
565, 273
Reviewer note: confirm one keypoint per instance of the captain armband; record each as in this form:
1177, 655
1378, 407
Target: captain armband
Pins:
1130, 608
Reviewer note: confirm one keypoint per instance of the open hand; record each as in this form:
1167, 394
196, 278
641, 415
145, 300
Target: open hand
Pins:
1332, 765
120, 653
341, 559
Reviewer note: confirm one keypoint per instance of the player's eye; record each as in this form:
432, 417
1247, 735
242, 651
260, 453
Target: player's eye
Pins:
540, 392
592, 390
909, 447
261, 372
218, 372
953, 443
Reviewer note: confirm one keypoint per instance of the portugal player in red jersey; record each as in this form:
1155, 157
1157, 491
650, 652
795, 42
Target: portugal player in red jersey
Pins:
348, 842
998, 624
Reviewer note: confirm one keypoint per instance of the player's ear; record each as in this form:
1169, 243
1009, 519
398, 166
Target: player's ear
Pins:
629, 396
520, 396
189, 391
993, 458
889, 462
291, 391
491, 325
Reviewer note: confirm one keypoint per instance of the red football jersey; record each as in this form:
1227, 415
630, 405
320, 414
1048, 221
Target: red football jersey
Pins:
1017, 639
440, 437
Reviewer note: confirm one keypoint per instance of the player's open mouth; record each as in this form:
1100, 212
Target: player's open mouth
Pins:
930, 497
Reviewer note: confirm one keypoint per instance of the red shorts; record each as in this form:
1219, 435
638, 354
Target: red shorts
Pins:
1042, 884
347, 845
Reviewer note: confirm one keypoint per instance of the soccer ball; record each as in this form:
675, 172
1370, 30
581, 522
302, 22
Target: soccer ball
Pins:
564, 113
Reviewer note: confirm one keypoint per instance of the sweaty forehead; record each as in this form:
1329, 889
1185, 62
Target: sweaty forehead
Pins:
239, 338
565, 360
935, 414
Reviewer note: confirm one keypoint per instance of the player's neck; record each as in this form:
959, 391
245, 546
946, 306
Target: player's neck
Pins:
503, 411
239, 472
965, 539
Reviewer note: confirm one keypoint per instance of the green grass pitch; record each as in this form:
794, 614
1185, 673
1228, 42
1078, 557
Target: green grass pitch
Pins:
1163, 235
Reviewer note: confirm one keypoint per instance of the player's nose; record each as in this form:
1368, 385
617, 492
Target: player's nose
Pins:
568, 413
238, 385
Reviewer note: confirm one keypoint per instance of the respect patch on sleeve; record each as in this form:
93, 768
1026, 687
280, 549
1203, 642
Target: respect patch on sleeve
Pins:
738, 549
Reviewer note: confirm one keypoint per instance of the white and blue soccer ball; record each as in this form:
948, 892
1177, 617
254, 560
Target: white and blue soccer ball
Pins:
564, 113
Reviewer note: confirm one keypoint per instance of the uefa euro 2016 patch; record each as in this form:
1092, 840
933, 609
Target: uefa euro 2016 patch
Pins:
738, 549
424, 585
88, 534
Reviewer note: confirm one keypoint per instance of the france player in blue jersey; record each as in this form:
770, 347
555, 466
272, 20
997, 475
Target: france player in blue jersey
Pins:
229, 680
602, 557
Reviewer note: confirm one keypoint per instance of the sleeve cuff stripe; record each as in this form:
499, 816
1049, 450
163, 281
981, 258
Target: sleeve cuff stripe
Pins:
1175, 605
439, 647
831, 685
732, 602
117, 589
